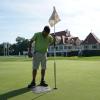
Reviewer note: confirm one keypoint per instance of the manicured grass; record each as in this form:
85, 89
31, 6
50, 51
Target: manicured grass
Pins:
77, 79
23, 58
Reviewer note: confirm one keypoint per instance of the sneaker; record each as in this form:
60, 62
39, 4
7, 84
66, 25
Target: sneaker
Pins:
31, 85
43, 84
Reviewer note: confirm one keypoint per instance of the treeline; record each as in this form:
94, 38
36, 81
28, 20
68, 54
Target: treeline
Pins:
17, 48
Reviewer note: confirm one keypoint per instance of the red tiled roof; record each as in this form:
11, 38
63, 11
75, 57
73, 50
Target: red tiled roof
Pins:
91, 39
61, 33
66, 38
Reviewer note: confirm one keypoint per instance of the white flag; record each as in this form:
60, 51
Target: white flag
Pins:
54, 18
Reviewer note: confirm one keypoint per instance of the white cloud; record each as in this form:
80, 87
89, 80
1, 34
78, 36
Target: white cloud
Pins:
27, 16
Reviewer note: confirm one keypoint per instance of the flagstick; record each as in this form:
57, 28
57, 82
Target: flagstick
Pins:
52, 21
54, 60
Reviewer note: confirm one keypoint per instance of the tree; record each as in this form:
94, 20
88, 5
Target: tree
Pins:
19, 39
1, 50
16, 48
21, 45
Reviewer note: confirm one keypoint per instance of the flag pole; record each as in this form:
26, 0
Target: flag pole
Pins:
54, 19
54, 57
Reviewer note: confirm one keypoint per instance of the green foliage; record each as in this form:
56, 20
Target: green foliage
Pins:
16, 48
1, 49
20, 39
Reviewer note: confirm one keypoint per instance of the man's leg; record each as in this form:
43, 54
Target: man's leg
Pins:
42, 83
43, 66
42, 74
36, 63
32, 84
34, 73
43, 69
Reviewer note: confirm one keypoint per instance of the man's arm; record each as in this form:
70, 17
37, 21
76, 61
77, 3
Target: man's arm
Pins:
30, 46
55, 40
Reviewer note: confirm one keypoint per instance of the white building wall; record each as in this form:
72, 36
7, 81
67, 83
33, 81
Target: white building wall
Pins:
90, 47
63, 48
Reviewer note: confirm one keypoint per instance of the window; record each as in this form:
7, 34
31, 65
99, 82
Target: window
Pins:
94, 46
57, 48
49, 49
65, 47
52, 48
69, 47
60, 47
86, 47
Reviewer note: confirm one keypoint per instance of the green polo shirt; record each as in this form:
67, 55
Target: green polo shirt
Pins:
41, 43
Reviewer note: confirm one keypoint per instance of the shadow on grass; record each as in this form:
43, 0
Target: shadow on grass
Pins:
13, 93
10, 94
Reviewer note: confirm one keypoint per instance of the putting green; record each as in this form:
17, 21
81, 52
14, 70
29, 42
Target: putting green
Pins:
76, 80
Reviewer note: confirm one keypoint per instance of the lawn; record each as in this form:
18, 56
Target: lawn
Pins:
77, 79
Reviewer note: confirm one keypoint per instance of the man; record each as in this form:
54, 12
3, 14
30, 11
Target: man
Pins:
42, 41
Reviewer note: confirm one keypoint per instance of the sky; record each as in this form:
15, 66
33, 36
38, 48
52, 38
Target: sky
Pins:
25, 17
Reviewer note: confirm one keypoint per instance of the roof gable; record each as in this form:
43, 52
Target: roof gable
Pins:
91, 39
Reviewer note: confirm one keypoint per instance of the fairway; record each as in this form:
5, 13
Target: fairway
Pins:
77, 79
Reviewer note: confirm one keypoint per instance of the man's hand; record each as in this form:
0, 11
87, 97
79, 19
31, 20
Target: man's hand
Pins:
29, 50
29, 54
